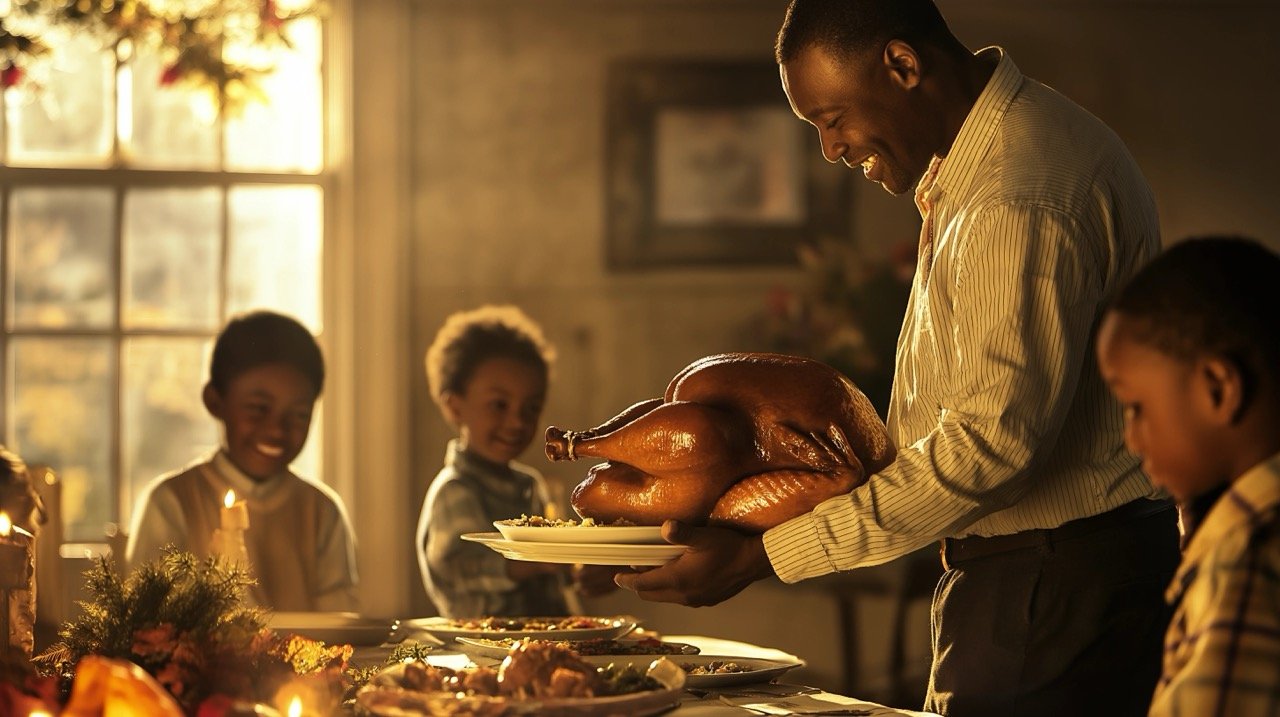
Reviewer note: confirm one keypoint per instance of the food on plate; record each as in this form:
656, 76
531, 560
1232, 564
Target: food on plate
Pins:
538, 521
602, 646
521, 624
531, 673
715, 667
744, 440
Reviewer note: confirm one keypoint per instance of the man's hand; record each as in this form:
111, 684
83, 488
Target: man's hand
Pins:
718, 565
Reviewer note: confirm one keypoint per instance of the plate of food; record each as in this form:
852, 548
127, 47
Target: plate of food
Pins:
708, 671
332, 627
537, 529
496, 648
542, 628
579, 553
540, 678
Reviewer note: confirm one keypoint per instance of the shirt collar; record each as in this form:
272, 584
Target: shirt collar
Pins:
500, 479
243, 485
957, 172
1253, 498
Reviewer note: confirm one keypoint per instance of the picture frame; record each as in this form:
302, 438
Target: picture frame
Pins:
706, 165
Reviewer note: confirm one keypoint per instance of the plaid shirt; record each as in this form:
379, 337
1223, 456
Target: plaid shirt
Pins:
466, 579
1222, 650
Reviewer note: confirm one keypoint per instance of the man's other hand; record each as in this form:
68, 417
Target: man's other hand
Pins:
719, 564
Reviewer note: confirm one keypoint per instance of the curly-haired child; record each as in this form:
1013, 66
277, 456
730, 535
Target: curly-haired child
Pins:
488, 370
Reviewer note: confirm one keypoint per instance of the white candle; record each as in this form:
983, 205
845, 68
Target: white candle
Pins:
228, 540
235, 514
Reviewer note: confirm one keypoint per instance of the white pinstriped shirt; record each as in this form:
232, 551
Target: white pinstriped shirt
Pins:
1038, 216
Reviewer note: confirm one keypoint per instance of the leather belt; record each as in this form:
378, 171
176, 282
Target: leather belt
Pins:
958, 550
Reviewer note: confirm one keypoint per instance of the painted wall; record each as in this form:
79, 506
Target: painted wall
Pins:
507, 152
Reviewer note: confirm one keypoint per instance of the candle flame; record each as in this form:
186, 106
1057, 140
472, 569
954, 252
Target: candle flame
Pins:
230, 498
295, 707
6, 525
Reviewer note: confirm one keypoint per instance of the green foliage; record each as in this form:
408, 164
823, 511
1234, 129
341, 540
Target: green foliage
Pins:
194, 598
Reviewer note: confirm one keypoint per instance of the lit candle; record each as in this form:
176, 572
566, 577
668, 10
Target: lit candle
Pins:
295, 707
235, 514
17, 587
228, 540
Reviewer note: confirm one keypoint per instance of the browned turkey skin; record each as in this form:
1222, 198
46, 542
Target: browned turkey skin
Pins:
745, 440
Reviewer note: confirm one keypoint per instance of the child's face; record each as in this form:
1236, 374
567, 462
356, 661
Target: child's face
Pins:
265, 413
1169, 415
497, 413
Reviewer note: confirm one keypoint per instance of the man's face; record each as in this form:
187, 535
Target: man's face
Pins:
1168, 415
863, 111
266, 414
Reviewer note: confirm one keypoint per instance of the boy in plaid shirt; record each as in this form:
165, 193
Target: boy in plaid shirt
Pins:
1191, 348
488, 370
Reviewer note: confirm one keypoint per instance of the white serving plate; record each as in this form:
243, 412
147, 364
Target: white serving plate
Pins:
446, 630
383, 699
484, 648
579, 553
758, 670
334, 628
595, 534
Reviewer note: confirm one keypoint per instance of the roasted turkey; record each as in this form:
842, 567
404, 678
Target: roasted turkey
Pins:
744, 440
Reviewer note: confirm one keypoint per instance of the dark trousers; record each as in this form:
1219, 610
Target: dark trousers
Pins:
1068, 621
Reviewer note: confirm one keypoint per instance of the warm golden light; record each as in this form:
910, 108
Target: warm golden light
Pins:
230, 499
295, 707
6, 525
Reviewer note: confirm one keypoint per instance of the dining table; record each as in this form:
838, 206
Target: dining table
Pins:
778, 697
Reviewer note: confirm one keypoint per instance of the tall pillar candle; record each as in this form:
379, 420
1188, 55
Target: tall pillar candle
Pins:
17, 587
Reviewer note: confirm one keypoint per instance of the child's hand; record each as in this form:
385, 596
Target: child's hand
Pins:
595, 580
519, 570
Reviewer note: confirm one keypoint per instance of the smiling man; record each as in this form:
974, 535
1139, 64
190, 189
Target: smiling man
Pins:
1010, 450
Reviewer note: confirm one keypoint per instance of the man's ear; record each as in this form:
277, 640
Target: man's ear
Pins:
1228, 395
212, 400
903, 63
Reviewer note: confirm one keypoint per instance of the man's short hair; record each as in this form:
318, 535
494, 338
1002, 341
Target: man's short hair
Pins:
1215, 295
258, 338
845, 28
468, 338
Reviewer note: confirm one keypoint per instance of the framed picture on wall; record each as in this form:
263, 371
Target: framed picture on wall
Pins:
706, 165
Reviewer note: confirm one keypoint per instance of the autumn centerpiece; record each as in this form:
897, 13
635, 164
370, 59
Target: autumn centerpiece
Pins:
184, 622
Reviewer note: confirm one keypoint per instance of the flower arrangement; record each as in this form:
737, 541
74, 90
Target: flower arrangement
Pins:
846, 312
183, 621
191, 35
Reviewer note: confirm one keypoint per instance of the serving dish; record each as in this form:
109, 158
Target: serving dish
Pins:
549, 628
592, 534
497, 648
387, 695
332, 627
749, 670
579, 553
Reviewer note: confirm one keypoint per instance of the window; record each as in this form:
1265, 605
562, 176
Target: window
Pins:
135, 217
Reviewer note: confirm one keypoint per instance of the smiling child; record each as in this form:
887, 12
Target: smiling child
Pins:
265, 376
488, 370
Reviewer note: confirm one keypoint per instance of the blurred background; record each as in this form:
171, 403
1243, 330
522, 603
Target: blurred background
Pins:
626, 171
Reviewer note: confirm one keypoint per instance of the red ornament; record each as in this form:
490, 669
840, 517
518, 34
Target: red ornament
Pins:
10, 75
171, 74
268, 16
